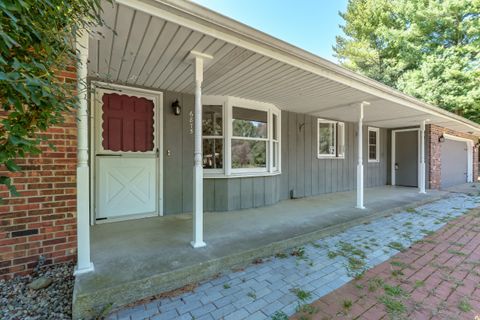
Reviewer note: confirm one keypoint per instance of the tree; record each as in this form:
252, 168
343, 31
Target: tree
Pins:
36, 41
429, 49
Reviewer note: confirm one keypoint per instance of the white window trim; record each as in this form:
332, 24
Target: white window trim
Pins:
228, 103
218, 102
337, 155
377, 145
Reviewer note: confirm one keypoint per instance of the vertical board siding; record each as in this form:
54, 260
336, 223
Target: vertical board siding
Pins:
302, 173
172, 133
306, 175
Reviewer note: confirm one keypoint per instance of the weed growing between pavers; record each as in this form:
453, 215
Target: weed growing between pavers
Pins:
355, 264
302, 295
394, 307
396, 245
279, 315
464, 305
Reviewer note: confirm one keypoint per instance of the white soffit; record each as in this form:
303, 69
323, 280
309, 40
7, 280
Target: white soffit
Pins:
152, 38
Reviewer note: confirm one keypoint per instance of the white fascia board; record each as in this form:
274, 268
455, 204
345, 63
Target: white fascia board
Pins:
201, 19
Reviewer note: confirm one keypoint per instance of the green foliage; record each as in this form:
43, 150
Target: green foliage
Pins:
301, 294
36, 40
279, 315
428, 49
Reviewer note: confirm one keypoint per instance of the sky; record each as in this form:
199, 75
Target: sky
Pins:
309, 24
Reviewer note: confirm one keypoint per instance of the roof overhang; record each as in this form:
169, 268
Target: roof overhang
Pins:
153, 37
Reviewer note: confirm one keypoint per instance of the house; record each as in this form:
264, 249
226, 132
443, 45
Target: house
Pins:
188, 111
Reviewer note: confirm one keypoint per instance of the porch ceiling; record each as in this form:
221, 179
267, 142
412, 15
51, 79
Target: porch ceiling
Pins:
145, 45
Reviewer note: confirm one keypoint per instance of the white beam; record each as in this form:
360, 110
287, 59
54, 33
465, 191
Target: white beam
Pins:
84, 263
198, 60
360, 187
421, 171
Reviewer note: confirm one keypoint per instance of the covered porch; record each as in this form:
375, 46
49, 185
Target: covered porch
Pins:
134, 260
172, 54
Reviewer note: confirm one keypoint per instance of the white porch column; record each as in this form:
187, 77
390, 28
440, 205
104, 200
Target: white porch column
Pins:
421, 171
360, 190
84, 263
198, 60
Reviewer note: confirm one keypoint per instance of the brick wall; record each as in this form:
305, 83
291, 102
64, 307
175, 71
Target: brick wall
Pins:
42, 220
433, 133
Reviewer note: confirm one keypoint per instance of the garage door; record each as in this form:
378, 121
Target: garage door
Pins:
454, 163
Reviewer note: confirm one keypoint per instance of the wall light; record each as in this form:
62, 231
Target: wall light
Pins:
441, 139
177, 109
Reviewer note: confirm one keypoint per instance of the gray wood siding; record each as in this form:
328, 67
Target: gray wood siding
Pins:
302, 172
306, 175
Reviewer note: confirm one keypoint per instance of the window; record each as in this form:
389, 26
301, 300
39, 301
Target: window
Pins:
240, 137
212, 131
373, 144
331, 139
249, 138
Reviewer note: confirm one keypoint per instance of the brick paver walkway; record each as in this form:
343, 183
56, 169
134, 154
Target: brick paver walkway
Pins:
277, 287
437, 278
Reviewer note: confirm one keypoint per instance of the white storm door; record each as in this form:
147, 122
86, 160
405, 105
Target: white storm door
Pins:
126, 156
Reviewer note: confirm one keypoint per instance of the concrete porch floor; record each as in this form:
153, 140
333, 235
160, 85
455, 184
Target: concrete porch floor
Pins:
137, 259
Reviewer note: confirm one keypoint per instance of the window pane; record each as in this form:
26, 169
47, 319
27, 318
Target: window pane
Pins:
249, 154
372, 137
212, 122
274, 127
326, 138
372, 153
212, 153
341, 139
249, 123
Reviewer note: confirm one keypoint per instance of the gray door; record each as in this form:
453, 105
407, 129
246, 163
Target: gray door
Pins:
453, 163
406, 158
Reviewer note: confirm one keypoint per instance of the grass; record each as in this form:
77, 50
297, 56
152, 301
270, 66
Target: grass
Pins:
281, 255
418, 284
252, 295
399, 264
226, 286
306, 308
374, 284
298, 252
347, 304
464, 305
396, 245
394, 291
301, 294
279, 315
393, 306
456, 252
332, 254
411, 210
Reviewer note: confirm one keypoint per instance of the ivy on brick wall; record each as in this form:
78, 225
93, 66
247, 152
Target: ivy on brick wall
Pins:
36, 41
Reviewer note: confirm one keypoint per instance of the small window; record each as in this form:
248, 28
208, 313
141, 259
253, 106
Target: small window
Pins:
331, 139
212, 131
373, 144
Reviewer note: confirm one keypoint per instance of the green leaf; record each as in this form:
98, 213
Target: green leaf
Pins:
12, 166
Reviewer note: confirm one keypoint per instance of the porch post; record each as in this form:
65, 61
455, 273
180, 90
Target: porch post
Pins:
198, 60
84, 263
360, 190
421, 176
